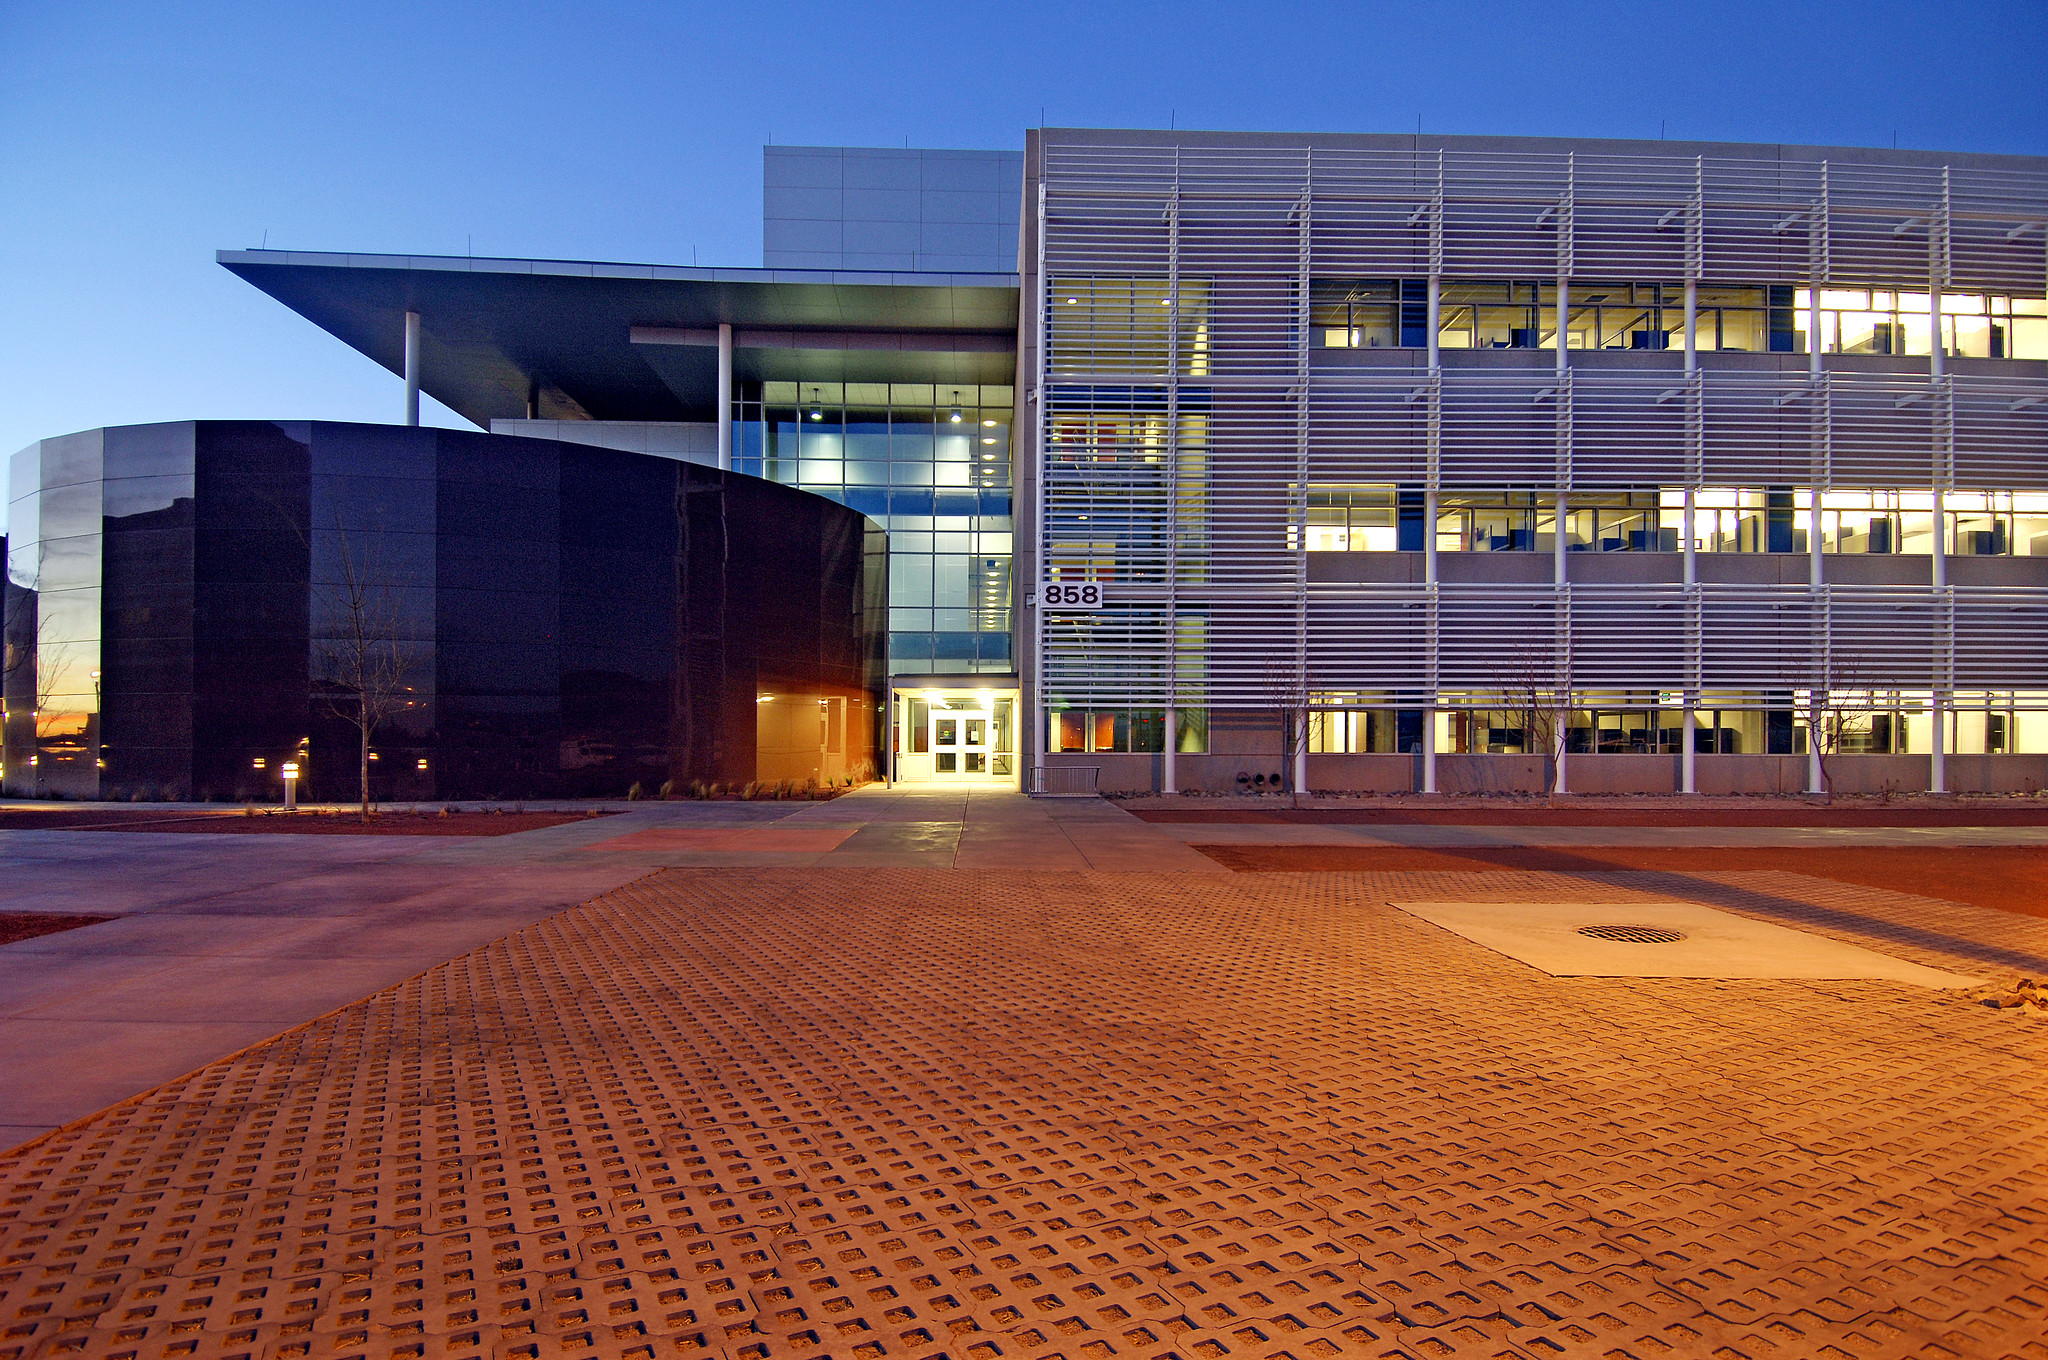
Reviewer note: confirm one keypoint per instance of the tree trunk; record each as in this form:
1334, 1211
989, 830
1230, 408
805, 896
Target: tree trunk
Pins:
363, 730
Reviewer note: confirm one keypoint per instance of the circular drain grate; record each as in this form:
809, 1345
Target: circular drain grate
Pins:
1634, 934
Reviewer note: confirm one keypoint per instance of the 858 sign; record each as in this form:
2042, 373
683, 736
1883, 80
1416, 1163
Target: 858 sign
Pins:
1071, 594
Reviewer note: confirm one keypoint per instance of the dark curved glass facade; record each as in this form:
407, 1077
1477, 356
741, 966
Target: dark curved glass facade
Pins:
563, 620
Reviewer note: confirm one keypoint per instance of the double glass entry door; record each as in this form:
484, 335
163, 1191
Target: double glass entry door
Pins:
960, 743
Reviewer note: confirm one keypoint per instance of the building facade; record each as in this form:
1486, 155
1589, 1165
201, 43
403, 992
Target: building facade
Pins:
1456, 464
1355, 462
191, 606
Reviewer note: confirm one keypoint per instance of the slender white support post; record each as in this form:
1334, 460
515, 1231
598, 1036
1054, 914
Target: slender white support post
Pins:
412, 368
1560, 700
1429, 514
1815, 779
1429, 577
1938, 697
1937, 751
725, 396
1813, 330
1816, 776
1301, 754
1558, 572
1688, 746
1688, 729
1166, 772
1429, 747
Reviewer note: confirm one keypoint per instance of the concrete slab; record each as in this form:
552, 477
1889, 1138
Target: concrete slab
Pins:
1712, 944
815, 840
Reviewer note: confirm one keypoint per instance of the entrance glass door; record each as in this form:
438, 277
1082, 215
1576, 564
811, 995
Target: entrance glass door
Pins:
956, 734
960, 742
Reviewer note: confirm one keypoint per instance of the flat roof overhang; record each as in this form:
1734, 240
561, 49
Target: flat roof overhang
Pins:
639, 342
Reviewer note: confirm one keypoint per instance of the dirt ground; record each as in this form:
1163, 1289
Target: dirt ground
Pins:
1729, 812
388, 823
26, 925
2005, 878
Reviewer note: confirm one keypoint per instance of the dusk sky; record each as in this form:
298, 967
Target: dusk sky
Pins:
137, 139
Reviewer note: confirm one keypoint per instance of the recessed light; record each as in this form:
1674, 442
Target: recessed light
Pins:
988, 424
1072, 301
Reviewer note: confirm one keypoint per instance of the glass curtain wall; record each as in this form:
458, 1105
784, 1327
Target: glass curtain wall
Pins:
931, 463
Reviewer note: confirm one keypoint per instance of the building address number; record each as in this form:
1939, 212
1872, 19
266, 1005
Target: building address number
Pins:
1071, 594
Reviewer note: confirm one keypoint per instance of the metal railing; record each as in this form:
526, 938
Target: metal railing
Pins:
1064, 781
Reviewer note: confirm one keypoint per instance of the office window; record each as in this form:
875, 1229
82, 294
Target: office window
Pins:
1123, 731
1368, 313
1123, 326
1748, 520
1994, 523
1352, 519
1522, 314
1617, 521
1494, 521
1885, 322
1361, 731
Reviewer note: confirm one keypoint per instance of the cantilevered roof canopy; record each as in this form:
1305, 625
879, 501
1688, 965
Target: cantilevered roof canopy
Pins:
638, 342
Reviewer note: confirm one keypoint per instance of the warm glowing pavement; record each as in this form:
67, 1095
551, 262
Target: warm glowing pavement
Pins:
905, 1112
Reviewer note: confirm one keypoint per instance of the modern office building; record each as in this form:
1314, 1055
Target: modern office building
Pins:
1211, 461
1403, 457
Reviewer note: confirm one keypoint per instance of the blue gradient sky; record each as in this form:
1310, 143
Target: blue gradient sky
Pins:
137, 138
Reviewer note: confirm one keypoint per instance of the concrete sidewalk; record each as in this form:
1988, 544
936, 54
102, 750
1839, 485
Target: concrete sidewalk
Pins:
225, 939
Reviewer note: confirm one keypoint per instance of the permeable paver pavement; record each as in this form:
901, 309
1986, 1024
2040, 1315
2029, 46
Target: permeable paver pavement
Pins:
895, 1112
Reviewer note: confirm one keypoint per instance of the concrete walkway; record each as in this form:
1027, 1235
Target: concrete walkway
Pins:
224, 940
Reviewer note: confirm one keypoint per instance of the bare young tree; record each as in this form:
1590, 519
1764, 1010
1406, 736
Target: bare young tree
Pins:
1837, 720
1540, 707
362, 669
1290, 691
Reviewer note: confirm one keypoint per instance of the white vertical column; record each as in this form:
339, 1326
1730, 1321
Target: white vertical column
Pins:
1822, 677
412, 368
1431, 622
1301, 406
1688, 743
1562, 698
1938, 416
1169, 774
725, 396
1172, 740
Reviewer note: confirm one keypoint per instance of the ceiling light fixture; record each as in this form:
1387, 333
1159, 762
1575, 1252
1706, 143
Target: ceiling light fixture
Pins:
955, 417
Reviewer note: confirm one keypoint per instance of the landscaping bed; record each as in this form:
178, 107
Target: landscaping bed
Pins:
389, 822
2005, 878
26, 925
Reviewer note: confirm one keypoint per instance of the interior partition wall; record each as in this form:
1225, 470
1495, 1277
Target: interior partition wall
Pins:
1192, 425
545, 618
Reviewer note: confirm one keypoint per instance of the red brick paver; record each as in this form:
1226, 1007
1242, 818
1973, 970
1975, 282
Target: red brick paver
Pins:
866, 1113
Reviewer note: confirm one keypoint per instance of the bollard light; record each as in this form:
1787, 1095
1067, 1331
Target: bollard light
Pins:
291, 786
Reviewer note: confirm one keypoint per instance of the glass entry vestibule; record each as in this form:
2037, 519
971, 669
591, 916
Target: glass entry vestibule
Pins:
947, 734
